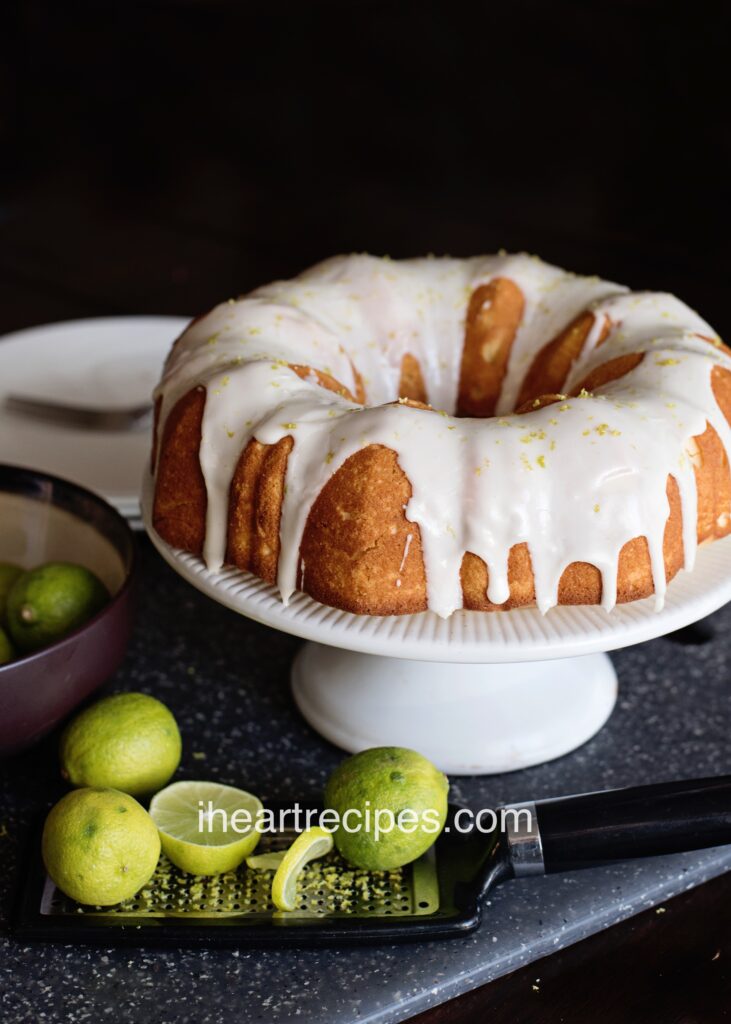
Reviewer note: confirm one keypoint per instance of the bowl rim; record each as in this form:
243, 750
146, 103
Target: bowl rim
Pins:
25, 475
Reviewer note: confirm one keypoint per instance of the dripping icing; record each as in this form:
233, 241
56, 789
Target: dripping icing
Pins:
407, 545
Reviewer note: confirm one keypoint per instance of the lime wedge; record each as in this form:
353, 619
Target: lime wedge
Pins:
206, 828
313, 842
265, 861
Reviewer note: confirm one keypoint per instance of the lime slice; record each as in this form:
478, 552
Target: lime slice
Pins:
206, 828
265, 861
313, 842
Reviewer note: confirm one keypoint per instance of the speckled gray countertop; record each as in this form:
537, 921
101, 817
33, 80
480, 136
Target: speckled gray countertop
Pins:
226, 679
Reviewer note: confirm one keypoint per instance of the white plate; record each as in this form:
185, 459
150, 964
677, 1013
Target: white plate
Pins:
102, 361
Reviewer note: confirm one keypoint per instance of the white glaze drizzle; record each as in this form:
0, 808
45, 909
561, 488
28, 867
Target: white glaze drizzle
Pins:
575, 480
407, 545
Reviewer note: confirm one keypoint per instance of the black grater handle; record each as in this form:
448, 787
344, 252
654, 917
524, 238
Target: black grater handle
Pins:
641, 821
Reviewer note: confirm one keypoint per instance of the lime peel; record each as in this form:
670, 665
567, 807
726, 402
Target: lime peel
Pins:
100, 846
128, 741
312, 843
265, 861
391, 780
6, 648
47, 603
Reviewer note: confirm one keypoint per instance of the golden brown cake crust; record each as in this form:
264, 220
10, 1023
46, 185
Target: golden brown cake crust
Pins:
412, 384
179, 508
553, 362
493, 317
352, 552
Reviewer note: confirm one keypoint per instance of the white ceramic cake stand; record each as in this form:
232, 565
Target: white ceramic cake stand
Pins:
478, 693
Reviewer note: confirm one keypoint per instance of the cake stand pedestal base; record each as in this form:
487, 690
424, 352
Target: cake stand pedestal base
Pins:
467, 719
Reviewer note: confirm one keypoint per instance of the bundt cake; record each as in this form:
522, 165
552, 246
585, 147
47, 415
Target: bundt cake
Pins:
391, 436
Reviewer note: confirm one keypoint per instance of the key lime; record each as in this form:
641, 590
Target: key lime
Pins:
100, 846
9, 573
47, 603
265, 861
382, 787
313, 842
129, 741
206, 828
6, 648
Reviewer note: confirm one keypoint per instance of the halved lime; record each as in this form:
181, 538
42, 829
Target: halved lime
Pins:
313, 842
265, 861
206, 828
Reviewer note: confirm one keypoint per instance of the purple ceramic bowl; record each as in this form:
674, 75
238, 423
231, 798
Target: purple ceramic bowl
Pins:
45, 519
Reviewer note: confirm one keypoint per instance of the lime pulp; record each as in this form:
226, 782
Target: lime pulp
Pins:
206, 828
312, 843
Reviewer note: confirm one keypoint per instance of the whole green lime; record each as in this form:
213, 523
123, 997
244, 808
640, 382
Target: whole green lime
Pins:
129, 741
383, 787
9, 573
6, 648
100, 846
47, 603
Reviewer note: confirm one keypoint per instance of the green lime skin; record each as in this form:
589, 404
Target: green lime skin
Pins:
48, 603
9, 573
129, 741
100, 846
6, 648
390, 779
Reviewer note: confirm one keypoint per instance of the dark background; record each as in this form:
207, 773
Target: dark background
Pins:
159, 156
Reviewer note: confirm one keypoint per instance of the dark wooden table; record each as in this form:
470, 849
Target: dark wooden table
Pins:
160, 156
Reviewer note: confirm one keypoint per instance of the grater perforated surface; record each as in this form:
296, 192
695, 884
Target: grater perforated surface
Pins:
327, 887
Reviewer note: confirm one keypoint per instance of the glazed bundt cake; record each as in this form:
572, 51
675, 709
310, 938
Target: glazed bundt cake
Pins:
391, 436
